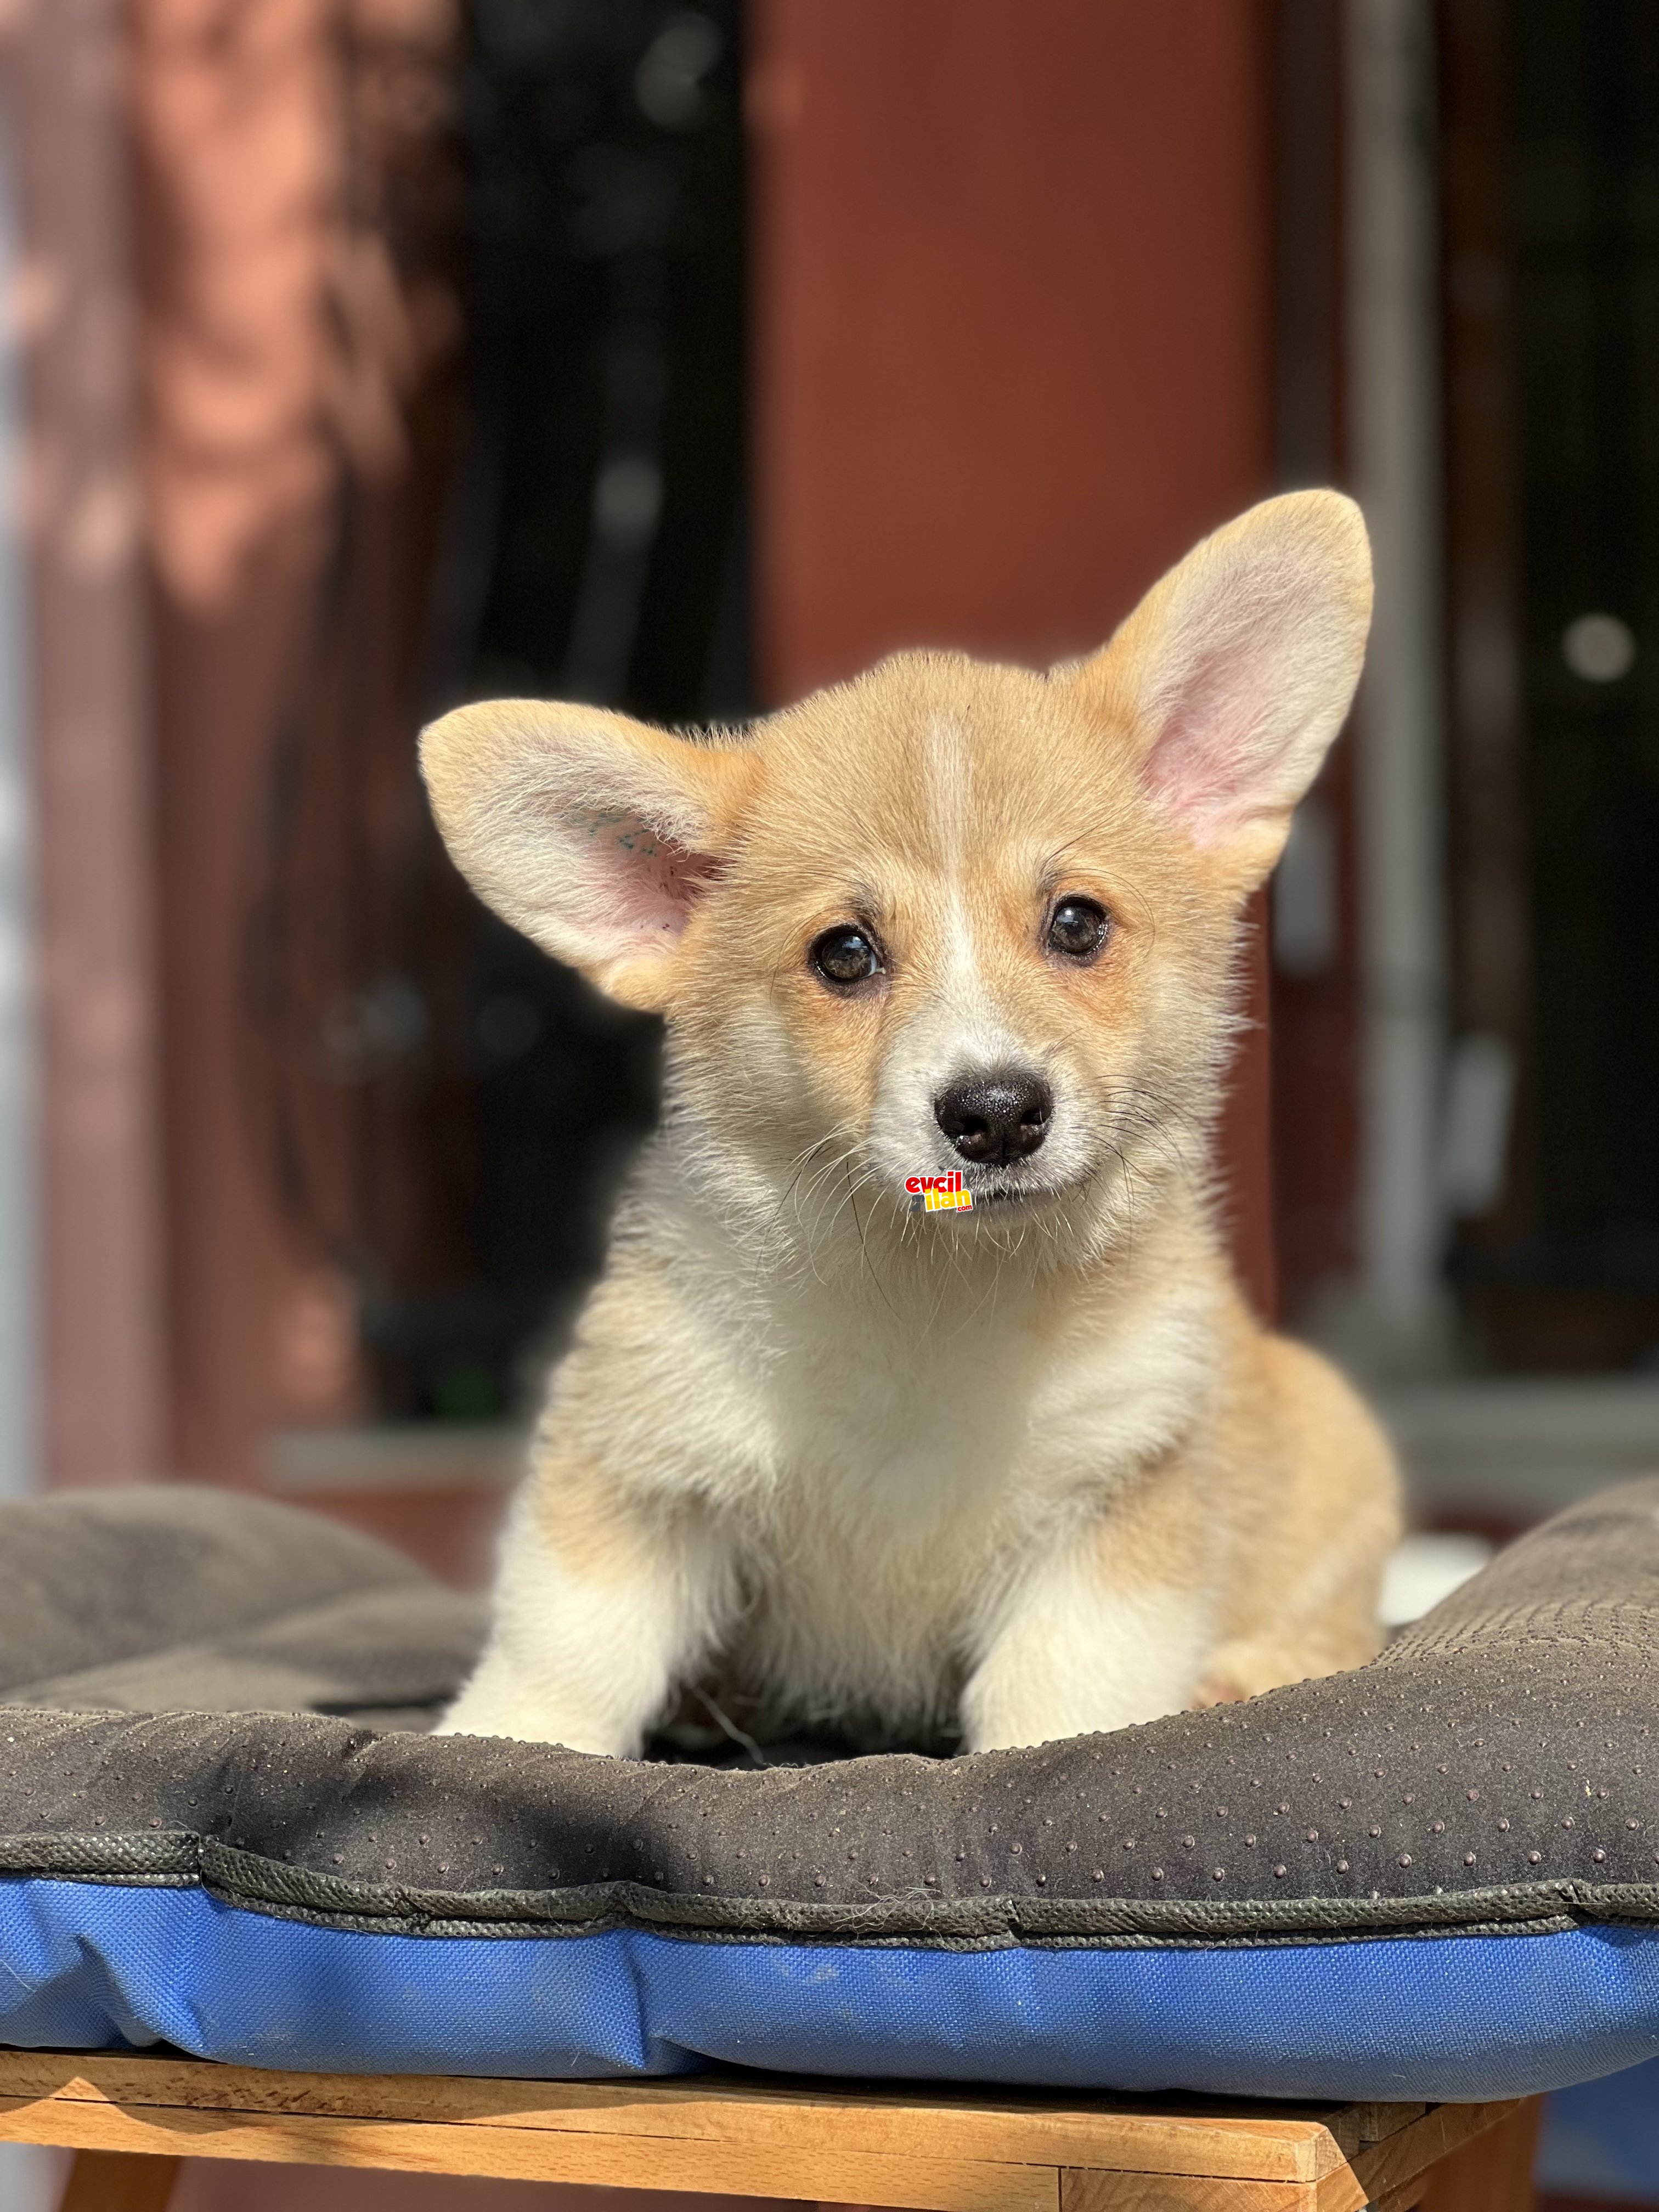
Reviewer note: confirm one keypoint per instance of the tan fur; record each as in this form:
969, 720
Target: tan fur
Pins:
1025, 1470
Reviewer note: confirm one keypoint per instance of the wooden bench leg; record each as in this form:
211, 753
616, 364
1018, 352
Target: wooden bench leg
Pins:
118, 2181
1493, 2172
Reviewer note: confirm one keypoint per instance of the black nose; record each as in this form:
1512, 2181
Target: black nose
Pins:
995, 1117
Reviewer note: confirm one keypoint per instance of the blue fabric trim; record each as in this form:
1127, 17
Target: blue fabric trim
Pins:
89, 1966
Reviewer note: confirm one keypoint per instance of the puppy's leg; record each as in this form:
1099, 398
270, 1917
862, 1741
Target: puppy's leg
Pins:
1303, 1597
1112, 1624
602, 1604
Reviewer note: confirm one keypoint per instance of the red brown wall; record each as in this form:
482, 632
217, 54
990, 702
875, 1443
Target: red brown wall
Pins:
280, 357
1013, 291
103, 1410
1012, 288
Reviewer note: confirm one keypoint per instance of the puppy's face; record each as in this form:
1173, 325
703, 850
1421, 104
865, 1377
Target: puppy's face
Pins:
949, 917
952, 931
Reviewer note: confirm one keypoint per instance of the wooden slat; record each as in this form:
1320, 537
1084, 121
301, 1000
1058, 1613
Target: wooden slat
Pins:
929, 2150
1494, 2173
1389, 2167
1163, 2192
1164, 2135
1419, 2160
1374, 2123
1397, 2146
814, 2170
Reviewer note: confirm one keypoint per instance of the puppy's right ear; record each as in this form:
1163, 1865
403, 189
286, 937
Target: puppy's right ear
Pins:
593, 833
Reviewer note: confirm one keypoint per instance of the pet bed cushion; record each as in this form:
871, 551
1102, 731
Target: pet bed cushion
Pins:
174, 1595
1438, 1877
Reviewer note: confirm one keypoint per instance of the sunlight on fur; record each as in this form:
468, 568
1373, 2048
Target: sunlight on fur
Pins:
988, 1476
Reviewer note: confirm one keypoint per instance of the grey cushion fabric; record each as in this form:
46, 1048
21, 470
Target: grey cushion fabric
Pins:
170, 1595
1495, 1770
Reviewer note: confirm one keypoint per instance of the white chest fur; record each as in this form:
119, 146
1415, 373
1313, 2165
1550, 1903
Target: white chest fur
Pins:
885, 1454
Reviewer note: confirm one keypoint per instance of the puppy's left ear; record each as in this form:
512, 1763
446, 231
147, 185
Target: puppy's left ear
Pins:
1233, 674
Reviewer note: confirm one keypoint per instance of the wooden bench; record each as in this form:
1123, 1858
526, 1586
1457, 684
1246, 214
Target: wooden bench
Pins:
130, 2119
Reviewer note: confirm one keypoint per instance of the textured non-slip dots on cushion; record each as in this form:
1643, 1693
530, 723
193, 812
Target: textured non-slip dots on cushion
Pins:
1495, 1770
1438, 1876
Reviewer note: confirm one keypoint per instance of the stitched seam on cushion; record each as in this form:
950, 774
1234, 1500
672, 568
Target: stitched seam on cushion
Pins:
171, 1855
250, 1880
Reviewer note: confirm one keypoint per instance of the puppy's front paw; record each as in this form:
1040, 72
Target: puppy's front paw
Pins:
492, 1709
1217, 1689
1238, 1671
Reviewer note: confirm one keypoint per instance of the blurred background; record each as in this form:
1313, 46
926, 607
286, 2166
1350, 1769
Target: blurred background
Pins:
364, 356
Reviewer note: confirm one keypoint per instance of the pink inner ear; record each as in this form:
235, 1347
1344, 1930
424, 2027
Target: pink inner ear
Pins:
651, 883
1213, 757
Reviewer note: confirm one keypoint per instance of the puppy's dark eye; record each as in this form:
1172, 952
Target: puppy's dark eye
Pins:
846, 955
1078, 928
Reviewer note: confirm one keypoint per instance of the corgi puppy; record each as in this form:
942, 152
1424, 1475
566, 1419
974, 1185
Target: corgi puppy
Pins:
987, 1473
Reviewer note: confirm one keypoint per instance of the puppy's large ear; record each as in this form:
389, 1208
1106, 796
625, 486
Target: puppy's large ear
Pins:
1234, 673
593, 833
